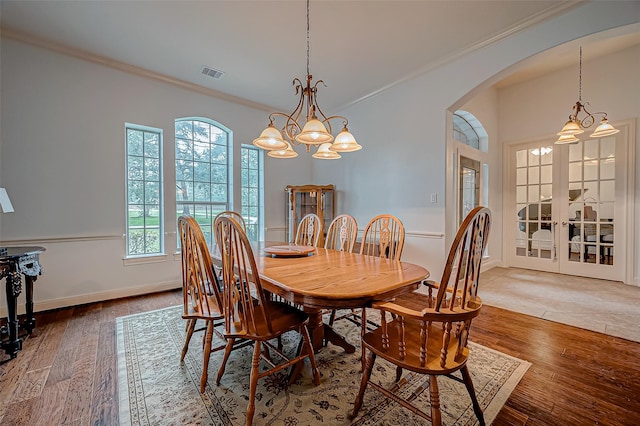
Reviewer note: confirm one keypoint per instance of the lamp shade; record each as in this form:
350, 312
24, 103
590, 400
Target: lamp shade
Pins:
604, 129
324, 153
314, 133
345, 142
567, 139
283, 153
571, 127
270, 138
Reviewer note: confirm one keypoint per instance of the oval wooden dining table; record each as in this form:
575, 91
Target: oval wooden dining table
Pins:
330, 279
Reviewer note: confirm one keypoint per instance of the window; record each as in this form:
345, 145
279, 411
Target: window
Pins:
203, 168
144, 234
251, 205
463, 130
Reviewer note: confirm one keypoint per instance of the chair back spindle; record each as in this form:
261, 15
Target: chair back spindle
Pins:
342, 233
383, 237
309, 230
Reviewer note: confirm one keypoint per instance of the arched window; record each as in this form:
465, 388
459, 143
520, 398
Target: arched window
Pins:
469, 131
203, 170
472, 181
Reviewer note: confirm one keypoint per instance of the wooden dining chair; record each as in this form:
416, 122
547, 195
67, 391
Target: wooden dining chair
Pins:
308, 231
342, 233
251, 314
341, 236
382, 237
237, 216
428, 334
200, 290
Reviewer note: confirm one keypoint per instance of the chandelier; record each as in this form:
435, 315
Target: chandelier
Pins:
576, 125
316, 131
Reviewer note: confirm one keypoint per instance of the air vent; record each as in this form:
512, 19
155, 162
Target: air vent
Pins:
212, 72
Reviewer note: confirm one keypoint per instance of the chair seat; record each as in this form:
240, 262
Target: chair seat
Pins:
284, 317
411, 361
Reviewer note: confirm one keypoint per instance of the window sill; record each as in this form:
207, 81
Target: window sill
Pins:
142, 260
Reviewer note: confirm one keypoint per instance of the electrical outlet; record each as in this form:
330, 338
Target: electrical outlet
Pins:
434, 197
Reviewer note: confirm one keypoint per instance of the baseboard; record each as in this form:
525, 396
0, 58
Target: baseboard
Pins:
66, 302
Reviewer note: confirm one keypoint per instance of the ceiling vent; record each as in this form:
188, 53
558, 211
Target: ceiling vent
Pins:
212, 72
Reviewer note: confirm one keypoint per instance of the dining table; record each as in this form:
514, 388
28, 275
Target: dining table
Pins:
318, 279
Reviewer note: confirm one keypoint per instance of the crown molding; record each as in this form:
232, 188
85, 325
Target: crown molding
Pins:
20, 36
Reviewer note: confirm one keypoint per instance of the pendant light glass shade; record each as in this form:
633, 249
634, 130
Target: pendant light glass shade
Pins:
283, 153
604, 129
270, 138
345, 142
324, 153
567, 139
570, 128
314, 133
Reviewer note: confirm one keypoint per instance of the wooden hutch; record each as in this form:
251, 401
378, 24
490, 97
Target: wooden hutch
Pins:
305, 199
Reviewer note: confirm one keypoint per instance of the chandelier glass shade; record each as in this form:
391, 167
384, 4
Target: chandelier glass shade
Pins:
576, 124
324, 152
283, 153
306, 125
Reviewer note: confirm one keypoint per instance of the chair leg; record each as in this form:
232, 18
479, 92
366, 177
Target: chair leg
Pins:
223, 364
255, 365
312, 358
207, 355
332, 318
366, 375
191, 325
398, 373
363, 330
472, 393
436, 418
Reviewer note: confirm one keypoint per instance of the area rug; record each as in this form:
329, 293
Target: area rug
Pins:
155, 388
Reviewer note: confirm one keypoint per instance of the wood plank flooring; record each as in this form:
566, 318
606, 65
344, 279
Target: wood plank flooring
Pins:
66, 373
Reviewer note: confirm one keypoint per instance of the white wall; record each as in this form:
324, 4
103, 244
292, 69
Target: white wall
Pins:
538, 108
403, 132
63, 163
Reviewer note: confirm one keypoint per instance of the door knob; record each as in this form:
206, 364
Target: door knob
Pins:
564, 223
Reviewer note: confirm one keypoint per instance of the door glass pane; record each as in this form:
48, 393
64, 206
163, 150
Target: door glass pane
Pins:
591, 202
607, 190
591, 170
546, 156
545, 174
534, 186
608, 168
575, 172
608, 147
591, 149
521, 176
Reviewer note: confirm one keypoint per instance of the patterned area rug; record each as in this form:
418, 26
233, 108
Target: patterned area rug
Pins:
156, 389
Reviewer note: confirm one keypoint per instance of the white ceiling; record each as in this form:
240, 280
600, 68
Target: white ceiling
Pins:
356, 47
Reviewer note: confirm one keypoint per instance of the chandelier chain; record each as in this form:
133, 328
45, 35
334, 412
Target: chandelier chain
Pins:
308, 37
580, 79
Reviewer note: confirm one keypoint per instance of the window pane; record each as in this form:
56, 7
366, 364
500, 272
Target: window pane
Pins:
202, 171
144, 191
251, 191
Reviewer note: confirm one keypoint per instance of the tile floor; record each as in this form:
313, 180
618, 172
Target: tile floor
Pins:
608, 307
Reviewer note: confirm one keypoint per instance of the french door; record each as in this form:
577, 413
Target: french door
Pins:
567, 207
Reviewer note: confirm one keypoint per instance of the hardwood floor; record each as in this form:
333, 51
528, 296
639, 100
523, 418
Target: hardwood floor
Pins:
66, 373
